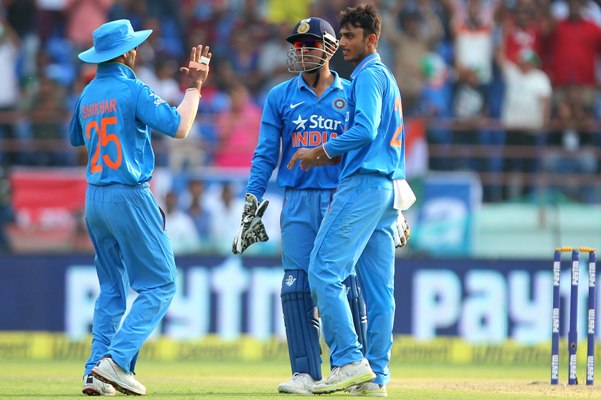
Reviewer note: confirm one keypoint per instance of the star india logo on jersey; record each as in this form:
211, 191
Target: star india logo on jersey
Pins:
314, 131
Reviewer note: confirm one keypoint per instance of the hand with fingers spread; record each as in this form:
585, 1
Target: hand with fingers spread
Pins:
198, 68
197, 71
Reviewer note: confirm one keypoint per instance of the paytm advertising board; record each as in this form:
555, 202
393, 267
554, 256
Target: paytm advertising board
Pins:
447, 204
479, 301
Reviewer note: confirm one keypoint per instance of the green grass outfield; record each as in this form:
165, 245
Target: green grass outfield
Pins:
43, 379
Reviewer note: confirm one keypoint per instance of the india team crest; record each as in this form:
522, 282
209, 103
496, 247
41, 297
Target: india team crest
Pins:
339, 103
303, 27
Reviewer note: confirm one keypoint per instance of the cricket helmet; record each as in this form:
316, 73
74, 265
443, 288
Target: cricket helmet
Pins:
313, 42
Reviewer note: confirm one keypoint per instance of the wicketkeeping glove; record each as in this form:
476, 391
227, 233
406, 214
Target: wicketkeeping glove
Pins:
251, 229
402, 232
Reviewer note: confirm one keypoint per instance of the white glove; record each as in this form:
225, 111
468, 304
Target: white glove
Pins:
402, 231
251, 228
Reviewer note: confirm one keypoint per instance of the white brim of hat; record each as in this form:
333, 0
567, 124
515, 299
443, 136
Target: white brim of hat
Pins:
94, 57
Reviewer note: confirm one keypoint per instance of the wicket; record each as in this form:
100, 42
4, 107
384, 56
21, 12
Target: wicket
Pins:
573, 331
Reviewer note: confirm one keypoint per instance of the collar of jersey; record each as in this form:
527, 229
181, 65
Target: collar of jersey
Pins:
336, 84
364, 63
113, 68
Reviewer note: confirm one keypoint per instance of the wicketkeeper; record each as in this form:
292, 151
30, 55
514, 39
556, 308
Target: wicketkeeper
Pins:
304, 111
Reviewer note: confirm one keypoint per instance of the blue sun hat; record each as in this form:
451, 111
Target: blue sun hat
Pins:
112, 40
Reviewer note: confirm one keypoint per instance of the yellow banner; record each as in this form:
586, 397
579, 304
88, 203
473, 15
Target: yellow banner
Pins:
57, 346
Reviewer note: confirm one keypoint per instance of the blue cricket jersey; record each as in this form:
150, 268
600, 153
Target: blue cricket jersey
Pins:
375, 140
112, 119
293, 117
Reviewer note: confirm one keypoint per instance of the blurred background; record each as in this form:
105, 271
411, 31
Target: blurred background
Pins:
503, 139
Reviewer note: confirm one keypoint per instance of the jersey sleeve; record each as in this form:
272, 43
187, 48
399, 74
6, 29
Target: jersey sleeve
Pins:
267, 152
75, 130
156, 112
367, 92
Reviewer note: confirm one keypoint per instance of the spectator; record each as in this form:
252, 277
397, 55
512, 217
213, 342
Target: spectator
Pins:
526, 112
273, 57
521, 30
83, 16
473, 41
469, 108
242, 62
435, 105
180, 227
51, 19
574, 47
198, 212
419, 31
9, 88
225, 218
237, 129
218, 20
47, 114
134, 10
477, 91
571, 149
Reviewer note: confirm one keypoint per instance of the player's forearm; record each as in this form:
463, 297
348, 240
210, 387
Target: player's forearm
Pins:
260, 172
187, 111
355, 138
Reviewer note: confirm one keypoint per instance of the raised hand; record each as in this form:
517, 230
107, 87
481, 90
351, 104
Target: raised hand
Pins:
198, 67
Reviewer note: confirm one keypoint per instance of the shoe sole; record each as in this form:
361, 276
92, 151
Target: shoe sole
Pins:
295, 391
346, 384
116, 385
90, 392
299, 392
370, 394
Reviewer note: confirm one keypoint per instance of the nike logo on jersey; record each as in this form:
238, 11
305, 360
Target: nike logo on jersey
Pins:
296, 105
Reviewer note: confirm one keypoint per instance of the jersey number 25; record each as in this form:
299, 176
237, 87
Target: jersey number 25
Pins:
104, 139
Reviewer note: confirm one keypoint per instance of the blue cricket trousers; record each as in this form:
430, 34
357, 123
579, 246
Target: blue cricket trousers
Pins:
357, 231
132, 251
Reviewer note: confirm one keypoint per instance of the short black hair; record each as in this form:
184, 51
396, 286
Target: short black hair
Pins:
363, 16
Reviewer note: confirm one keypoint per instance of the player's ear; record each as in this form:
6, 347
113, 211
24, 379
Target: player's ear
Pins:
372, 39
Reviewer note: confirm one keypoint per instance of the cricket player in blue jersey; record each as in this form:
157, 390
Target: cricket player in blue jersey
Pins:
112, 119
303, 112
359, 229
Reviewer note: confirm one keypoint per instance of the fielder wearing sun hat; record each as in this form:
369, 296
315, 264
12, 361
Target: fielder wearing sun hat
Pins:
112, 40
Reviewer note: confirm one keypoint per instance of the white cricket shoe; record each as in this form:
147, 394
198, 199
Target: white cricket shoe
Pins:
370, 389
344, 377
94, 387
300, 383
109, 372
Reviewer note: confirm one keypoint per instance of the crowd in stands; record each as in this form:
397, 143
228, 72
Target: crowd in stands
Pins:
506, 88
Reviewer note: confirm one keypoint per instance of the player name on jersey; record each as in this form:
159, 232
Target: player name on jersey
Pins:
98, 108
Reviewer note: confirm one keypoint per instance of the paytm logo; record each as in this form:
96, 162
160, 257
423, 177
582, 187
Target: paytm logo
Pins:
207, 299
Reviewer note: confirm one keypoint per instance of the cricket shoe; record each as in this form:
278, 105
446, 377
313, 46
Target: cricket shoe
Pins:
344, 377
109, 372
300, 383
370, 389
94, 387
